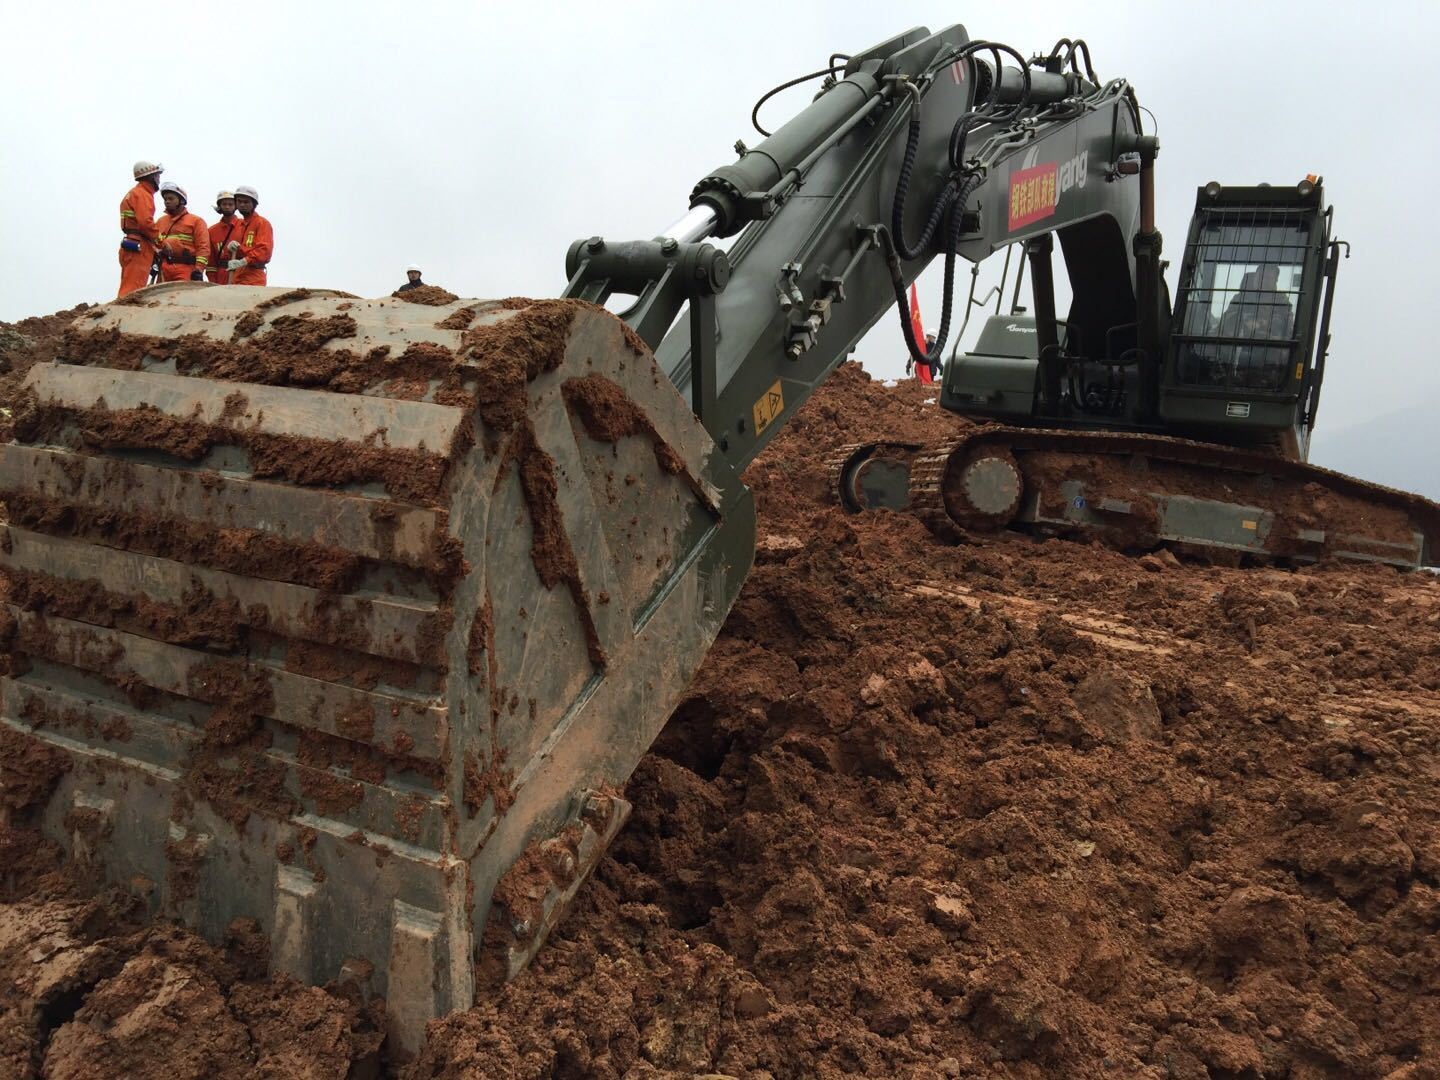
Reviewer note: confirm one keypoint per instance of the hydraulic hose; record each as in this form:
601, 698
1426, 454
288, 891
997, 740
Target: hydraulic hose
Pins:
951, 199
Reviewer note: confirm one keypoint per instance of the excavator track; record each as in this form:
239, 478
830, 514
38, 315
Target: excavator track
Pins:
351, 616
1136, 490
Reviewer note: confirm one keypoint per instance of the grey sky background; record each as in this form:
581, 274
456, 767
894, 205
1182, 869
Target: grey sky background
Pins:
479, 140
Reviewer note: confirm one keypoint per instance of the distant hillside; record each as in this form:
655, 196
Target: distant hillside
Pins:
1400, 449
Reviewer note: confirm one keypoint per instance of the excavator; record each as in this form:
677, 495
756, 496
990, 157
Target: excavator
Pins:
351, 617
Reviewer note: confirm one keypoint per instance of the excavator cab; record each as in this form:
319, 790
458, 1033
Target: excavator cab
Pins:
1247, 348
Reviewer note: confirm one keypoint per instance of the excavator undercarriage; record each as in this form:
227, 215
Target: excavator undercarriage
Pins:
1137, 491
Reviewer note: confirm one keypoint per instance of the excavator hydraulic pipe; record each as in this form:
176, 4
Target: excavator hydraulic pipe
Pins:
1046, 87
733, 191
694, 224
1047, 334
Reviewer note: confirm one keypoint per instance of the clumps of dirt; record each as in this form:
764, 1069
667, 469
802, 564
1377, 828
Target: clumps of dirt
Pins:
353, 667
239, 696
491, 782
291, 296
201, 620
608, 415
333, 795
29, 772
412, 476
240, 551
511, 354
235, 785
246, 325
104, 997
428, 295
24, 344
550, 548
459, 319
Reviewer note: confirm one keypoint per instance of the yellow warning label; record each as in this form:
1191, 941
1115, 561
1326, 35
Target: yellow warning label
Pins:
770, 405
1299, 371
1248, 525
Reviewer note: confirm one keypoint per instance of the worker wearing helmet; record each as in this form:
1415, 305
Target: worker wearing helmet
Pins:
184, 239
413, 273
228, 228
137, 226
247, 257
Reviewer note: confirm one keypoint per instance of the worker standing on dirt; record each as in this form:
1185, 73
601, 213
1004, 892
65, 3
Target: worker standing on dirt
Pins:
221, 233
137, 223
248, 256
183, 239
412, 272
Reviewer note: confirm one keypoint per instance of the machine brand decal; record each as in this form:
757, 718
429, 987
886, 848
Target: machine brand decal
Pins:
1033, 194
1012, 328
1035, 190
770, 405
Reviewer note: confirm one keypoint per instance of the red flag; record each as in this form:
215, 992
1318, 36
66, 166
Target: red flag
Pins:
921, 370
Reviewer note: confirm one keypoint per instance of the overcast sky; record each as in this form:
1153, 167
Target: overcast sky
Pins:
479, 140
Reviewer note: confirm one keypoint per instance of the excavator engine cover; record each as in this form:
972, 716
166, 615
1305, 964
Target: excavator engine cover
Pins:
351, 616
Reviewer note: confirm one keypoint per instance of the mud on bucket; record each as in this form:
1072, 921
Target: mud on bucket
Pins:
351, 616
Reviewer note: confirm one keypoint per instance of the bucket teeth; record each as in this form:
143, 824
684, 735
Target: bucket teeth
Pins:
329, 610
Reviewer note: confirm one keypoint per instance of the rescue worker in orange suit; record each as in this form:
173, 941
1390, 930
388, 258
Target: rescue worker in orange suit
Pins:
221, 233
184, 239
248, 256
137, 223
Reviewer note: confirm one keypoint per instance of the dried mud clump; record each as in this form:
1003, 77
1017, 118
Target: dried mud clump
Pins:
428, 295
608, 415
29, 772
459, 320
509, 355
24, 344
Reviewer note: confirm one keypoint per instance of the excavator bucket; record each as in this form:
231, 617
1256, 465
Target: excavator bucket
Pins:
351, 616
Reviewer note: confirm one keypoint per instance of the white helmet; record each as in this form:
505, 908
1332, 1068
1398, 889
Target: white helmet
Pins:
219, 195
244, 189
147, 168
415, 267
170, 185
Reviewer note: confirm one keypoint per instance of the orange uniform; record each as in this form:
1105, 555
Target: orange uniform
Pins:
185, 241
221, 233
257, 246
137, 222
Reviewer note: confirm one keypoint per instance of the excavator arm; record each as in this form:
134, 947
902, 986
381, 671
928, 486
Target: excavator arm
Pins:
985, 151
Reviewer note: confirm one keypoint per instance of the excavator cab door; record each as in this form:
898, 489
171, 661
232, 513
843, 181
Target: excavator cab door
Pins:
1254, 283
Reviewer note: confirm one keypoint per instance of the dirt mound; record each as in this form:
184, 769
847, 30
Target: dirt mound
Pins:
1018, 808
429, 295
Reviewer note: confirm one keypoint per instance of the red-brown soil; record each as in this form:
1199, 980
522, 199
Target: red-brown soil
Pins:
1012, 808
24, 344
